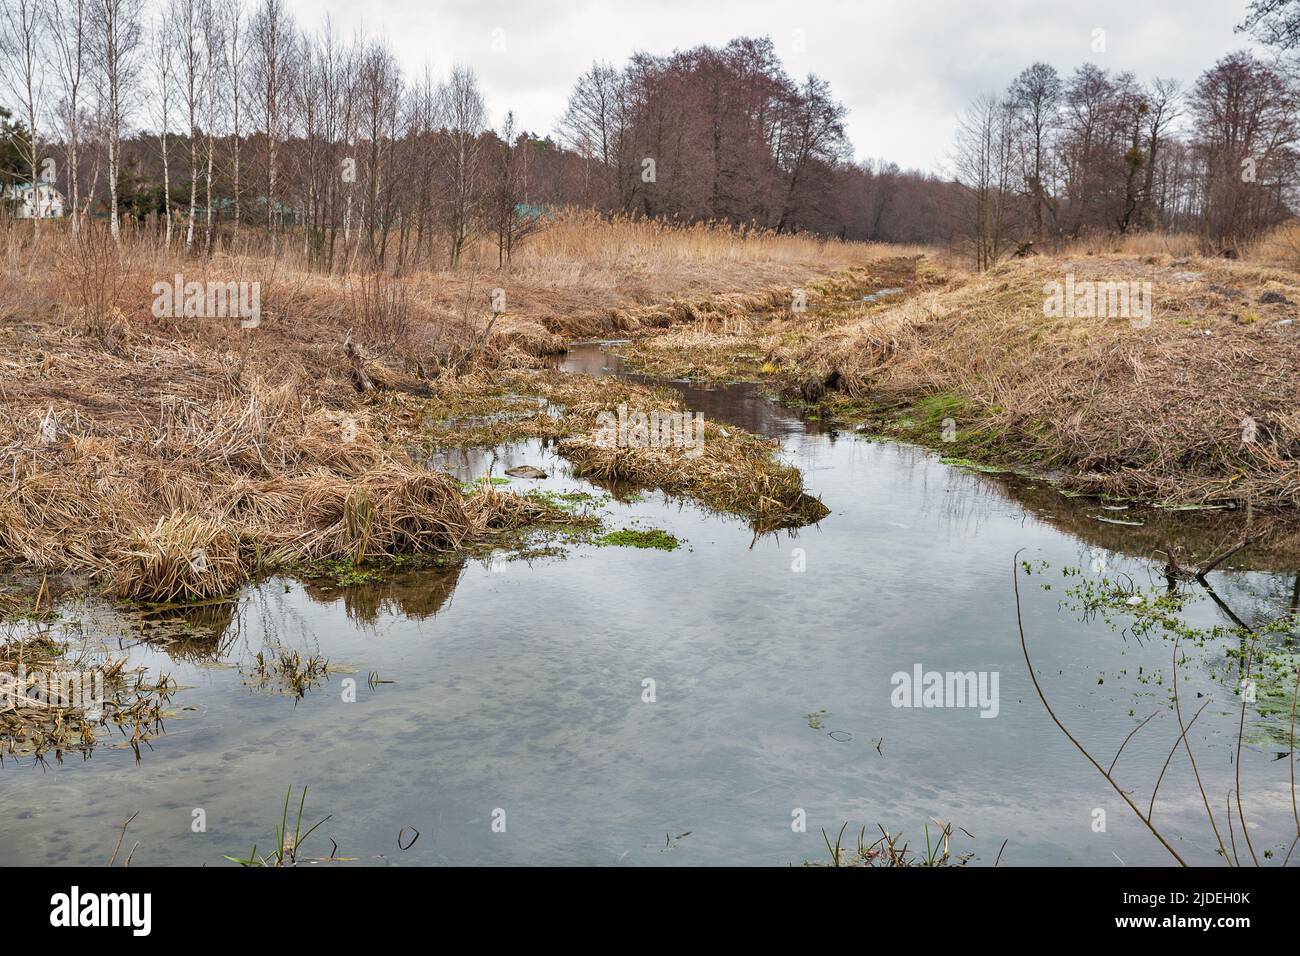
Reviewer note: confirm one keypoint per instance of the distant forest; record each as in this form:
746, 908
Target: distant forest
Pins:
229, 116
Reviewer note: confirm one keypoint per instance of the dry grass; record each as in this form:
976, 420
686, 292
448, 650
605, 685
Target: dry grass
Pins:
174, 458
1174, 245
735, 472
1157, 412
730, 470
716, 341
1278, 247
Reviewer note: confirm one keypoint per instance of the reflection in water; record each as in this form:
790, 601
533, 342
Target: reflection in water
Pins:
525, 693
195, 632
418, 595
743, 404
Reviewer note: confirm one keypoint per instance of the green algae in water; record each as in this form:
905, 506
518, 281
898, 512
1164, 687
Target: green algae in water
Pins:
970, 465
630, 538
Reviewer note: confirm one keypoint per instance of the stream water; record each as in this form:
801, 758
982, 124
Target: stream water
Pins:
519, 688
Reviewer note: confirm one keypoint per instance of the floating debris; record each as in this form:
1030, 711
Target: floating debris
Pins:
1131, 524
525, 471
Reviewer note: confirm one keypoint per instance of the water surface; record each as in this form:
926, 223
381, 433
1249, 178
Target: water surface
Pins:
518, 687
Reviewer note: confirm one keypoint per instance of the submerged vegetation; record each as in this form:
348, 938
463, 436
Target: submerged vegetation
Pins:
286, 670
57, 697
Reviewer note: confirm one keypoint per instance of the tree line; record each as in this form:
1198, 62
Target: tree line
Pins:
1096, 151
205, 117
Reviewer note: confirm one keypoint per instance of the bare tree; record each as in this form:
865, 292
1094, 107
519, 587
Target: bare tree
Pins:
597, 124
379, 91
983, 166
422, 124
1245, 117
271, 38
187, 17
163, 77
816, 137
69, 26
1162, 110
1034, 100
212, 55
234, 49
117, 35
509, 216
1274, 22
23, 74
465, 116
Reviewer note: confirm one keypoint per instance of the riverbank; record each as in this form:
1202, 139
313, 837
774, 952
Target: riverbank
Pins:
176, 458
173, 458
1184, 397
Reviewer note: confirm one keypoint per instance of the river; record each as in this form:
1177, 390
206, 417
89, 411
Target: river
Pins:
518, 726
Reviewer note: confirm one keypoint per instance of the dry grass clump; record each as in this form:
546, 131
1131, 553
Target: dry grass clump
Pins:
733, 472
392, 509
181, 558
531, 338
727, 305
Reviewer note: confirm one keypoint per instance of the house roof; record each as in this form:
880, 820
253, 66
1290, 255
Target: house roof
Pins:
15, 188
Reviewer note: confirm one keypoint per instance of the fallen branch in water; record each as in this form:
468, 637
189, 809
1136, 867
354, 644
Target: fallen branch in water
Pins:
1175, 569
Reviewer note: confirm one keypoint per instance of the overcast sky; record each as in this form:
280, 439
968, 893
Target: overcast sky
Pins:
903, 69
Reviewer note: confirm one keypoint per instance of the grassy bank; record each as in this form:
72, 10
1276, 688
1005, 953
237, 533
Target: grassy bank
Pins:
174, 458
1195, 407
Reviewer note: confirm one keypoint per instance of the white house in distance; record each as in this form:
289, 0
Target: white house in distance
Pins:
43, 201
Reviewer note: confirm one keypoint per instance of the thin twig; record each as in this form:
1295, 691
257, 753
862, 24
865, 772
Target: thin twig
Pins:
1024, 647
1178, 711
1127, 739
1172, 750
1241, 732
121, 836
